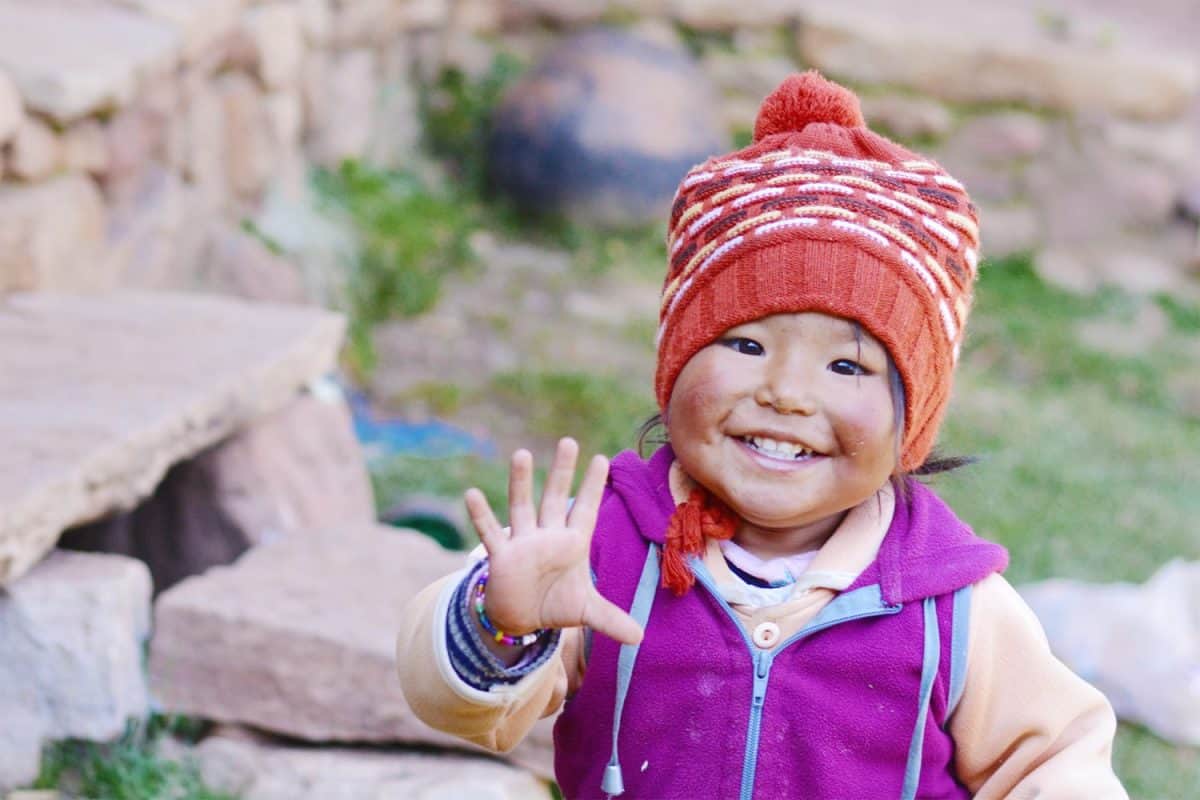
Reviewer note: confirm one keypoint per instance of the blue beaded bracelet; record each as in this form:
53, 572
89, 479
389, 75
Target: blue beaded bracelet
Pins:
497, 634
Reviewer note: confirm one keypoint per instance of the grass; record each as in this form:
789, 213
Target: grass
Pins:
129, 769
410, 237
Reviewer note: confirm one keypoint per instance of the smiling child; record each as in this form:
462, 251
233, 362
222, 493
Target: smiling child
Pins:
772, 605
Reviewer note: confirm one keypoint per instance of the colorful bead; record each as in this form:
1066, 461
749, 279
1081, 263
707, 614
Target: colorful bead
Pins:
498, 635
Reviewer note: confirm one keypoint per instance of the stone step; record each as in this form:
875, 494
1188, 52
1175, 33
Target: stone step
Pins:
253, 768
101, 394
298, 638
71, 650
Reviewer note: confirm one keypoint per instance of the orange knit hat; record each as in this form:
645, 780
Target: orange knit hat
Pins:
821, 214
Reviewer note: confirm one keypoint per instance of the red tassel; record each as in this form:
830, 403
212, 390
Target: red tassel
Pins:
695, 520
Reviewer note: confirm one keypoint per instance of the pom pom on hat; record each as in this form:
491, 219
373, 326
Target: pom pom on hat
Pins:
804, 99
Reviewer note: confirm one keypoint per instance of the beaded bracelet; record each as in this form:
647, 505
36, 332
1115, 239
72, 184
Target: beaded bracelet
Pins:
497, 634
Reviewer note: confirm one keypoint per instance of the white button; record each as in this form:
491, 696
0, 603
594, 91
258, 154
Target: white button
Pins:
766, 634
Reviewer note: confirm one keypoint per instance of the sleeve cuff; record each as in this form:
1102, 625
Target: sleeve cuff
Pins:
468, 653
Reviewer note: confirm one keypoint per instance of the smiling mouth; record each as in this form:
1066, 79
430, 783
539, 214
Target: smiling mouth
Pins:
776, 449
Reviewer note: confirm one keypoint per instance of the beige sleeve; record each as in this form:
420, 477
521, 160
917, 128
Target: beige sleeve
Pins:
1026, 725
497, 719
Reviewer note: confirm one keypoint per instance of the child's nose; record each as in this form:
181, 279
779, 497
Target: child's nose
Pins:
787, 394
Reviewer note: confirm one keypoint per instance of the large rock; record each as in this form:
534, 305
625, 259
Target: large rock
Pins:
602, 129
71, 637
298, 637
51, 236
102, 394
250, 155
298, 470
70, 59
254, 768
992, 53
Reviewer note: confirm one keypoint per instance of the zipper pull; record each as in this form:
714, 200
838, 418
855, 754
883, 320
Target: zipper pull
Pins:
762, 665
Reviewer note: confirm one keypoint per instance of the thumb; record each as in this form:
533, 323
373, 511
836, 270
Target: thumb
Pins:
602, 615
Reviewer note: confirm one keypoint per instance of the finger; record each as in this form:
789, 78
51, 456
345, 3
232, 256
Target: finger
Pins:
484, 519
591, 491
558, 484
521, 516
601, 615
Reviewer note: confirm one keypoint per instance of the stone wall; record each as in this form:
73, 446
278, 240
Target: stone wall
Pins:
138, 134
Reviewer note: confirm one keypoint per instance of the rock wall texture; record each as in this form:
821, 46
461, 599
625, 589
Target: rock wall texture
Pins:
137, 134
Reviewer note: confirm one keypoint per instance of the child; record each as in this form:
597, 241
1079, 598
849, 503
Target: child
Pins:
816, 622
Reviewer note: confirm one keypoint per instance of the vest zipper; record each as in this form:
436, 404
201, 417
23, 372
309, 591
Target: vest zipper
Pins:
762, 660
762, 670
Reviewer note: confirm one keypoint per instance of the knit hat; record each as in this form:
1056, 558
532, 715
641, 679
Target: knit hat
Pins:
821, 214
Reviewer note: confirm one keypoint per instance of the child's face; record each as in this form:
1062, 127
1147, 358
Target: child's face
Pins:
788, 419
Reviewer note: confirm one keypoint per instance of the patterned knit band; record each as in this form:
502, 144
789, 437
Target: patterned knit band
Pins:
821, 214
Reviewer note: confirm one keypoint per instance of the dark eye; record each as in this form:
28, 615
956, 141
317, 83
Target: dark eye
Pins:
844, 366
743, 345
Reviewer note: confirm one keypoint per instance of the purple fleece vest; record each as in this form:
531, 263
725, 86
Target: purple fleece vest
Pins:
830, 714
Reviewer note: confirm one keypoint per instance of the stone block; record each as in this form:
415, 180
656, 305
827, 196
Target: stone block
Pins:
51, 235
298, 638
71, 59
366, 22
157, 232
12, 112
35, 151
85, 148
285, 118
997, 53
277, 33
250, 156
316, 20
350, 90
133, 137
255, 768
102, 395
298, 470
71, 634
203, 145
199, 23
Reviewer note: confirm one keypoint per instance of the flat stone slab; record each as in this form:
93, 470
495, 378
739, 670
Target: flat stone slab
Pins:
101, 394
252, 768
70, 59
298, 637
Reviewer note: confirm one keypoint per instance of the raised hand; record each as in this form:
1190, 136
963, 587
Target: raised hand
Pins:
539, 575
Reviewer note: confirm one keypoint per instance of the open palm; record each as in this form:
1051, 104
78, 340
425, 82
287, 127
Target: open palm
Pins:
539, 575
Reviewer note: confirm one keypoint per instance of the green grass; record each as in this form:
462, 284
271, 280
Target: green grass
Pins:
410, 237
129, 769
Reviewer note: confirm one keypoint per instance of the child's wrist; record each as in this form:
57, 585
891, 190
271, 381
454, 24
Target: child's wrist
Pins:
478, 595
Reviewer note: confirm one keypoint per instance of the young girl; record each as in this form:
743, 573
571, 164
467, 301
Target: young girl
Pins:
770, 607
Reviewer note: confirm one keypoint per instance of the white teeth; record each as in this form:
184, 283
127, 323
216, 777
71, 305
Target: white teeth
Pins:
777, 449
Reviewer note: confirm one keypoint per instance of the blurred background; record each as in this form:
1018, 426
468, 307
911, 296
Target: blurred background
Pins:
279, 280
